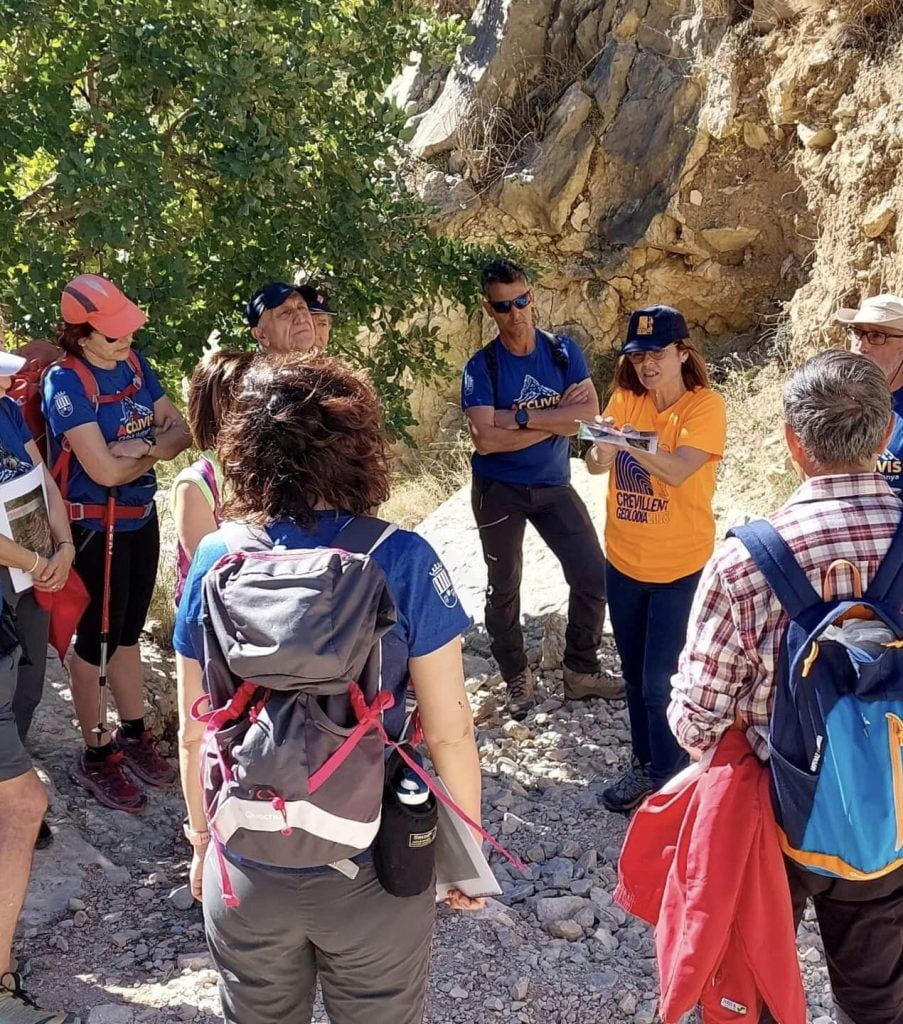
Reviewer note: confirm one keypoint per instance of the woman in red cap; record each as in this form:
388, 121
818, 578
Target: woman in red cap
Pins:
109, 422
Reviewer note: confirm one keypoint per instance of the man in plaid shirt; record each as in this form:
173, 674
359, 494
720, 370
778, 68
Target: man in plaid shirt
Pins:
837, 410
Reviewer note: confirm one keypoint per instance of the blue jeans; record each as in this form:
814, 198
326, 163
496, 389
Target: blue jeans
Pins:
650, 626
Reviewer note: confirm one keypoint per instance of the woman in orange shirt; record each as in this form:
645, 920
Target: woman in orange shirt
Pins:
660, 528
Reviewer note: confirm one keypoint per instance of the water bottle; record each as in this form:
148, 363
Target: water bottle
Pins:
404, 851
411, 789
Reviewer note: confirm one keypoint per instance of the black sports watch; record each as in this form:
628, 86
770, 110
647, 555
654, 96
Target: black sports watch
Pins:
522, 418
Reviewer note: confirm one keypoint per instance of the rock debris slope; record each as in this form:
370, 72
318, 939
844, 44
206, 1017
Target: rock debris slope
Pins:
108, 929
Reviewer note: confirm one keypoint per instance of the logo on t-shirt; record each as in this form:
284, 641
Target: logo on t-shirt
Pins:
534, 395
890, 462
443, 585
468, 383
11, 466
63, 404
136, 420
635, 489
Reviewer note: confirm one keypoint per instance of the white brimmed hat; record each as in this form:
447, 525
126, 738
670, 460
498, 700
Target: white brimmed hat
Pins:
10, 364
879, 309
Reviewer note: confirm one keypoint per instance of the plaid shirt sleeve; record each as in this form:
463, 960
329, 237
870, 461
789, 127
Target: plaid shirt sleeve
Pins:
715, 666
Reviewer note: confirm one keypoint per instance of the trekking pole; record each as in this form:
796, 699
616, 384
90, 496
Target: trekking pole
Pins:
109, 525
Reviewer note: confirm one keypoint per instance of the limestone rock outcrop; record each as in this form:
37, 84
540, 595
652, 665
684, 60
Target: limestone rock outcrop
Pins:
742, 162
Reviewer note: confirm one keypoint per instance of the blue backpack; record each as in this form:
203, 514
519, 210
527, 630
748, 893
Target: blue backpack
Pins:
836, 734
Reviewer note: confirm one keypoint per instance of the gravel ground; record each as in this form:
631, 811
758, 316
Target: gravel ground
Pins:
109, 934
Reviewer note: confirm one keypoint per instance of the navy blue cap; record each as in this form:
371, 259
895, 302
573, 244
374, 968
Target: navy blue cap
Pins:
316, 299
268, 297
653, 328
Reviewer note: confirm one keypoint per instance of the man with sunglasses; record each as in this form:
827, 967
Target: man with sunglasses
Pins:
523, 394
875, 330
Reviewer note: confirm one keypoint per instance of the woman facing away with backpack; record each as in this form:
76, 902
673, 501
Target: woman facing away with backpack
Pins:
197, 492
108, 423
304, 458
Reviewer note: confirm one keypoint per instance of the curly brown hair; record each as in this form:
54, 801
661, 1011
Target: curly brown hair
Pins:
304, 433
211, 391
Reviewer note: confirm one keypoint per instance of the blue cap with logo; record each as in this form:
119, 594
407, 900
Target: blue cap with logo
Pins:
653, 328
268, 297
316, 299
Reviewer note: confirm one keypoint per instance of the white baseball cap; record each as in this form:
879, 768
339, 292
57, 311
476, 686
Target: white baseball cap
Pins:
879, 309
10, 364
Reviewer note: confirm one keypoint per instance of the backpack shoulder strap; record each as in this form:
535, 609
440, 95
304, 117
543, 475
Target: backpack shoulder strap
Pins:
776, 562
362, 535
81, 370
887, 585
132, 388
241, 537
491, 357
559, 348
135, 363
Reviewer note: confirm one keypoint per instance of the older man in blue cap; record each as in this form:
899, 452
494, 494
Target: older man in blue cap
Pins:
321, 312
280, 320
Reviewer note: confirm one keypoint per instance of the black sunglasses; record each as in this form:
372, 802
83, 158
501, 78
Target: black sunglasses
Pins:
506, 305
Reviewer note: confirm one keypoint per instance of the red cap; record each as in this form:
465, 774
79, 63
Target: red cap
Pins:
89, 299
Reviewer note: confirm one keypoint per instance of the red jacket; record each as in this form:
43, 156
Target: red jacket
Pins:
701, 862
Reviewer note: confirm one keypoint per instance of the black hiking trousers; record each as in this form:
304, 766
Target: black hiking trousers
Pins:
559, 516
861, 925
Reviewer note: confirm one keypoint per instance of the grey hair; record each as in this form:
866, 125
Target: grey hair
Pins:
838, 405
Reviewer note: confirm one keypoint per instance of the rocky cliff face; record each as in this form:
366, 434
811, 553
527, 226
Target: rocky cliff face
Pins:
743, 164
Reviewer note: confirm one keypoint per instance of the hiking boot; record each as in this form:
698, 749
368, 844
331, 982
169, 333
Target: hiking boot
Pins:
584, 685
17, 1006
519, 698
143, 758
630, 788
45, 837
109, 784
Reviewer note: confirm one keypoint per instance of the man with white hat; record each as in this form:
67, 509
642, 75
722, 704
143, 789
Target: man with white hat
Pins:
875, 331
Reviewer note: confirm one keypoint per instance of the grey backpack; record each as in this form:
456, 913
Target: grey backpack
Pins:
293, 752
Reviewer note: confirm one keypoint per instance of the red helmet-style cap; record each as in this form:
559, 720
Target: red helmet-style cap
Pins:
90, 299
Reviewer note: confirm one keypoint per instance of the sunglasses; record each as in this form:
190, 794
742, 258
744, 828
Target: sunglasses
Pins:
658, 354
506, 305
874, 338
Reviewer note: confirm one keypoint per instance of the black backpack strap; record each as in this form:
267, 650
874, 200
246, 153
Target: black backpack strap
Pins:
887, 585
560, 354
242, 537
362, 535
491, 358
778, 565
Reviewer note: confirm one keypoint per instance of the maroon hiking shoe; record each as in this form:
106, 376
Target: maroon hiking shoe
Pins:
143, 758
108, 783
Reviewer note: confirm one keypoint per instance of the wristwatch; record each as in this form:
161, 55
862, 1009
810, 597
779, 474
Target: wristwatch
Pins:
522, 418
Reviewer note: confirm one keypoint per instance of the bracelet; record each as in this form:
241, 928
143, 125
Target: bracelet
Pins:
196, 838
63, 543
37, 558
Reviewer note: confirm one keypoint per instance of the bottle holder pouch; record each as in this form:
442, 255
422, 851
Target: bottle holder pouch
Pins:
404, 853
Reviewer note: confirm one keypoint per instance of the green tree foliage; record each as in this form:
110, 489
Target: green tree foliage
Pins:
194, 149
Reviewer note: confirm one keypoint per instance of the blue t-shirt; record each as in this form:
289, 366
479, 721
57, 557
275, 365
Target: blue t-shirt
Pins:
66, 405
890, 462
14, 435
525, 382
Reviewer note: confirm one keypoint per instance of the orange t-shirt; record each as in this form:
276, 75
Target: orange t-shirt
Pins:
654, 532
